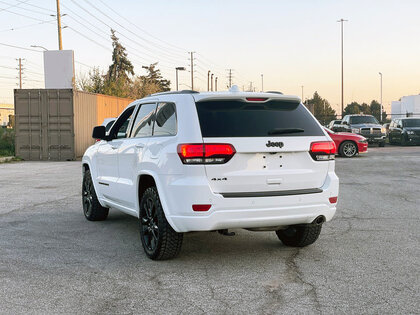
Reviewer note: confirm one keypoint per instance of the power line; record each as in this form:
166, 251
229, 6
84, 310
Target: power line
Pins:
128, 30
18, 47
25, 26
26, 16
143, 30
14, 5
30, 10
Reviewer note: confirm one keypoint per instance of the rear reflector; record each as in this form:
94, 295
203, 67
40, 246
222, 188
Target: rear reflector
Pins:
256, 99
323, 151
201, 207
205, 153
333, 199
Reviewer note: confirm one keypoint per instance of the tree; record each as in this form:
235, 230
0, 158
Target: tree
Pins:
93, 82
121, 67
322, 109
152, 82
375, 108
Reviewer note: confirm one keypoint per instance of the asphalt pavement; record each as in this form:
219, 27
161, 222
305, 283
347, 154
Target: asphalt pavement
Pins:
367, 259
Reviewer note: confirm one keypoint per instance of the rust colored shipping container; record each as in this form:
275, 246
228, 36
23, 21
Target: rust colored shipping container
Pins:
110, 106
56, 124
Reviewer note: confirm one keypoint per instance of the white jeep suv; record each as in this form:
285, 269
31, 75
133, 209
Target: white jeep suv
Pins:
188, 161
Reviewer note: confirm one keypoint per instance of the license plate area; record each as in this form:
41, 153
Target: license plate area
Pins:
274, 161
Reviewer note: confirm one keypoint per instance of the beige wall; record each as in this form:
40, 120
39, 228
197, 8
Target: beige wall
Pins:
5, 111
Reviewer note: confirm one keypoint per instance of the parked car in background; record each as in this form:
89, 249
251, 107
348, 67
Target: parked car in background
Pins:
108, 122
334, 125
366, 126
348, 144
404, 131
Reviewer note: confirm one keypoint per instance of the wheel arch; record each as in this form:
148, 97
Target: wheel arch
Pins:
148, 179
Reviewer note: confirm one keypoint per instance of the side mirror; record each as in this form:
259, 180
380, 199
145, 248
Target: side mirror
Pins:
344, 122
99, 133
399, 126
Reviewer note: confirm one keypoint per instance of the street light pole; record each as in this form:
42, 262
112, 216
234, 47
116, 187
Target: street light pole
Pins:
208, 80
262, 82
212, 82
342, 67
380, 74
215, 84
176, 72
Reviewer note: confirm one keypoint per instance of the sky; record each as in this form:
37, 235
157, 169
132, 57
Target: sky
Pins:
292, 43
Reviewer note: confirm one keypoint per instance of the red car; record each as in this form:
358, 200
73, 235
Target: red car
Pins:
348, 144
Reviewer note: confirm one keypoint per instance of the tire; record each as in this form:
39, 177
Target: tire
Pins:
92, 209
390, 139
404, 141
299, 235
348, 149
159, 239
382, 144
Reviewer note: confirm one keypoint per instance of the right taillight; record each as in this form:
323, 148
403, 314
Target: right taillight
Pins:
205, 153
323, 151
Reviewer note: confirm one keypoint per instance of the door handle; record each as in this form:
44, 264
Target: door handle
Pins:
140, 145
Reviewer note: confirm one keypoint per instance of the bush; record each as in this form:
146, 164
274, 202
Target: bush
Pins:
7, 142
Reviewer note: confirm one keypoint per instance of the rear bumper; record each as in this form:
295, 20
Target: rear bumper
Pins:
245, 212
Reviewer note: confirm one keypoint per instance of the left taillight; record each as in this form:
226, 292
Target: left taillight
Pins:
205, 153
323, 151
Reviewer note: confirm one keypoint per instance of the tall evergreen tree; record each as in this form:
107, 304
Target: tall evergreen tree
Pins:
322, 109
121, 67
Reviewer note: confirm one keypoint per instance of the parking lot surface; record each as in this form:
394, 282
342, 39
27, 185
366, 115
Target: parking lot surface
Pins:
367, 259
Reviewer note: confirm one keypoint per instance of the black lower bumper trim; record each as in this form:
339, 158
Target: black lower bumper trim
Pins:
272, 193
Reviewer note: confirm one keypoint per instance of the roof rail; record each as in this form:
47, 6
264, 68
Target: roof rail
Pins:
175, 92
274, 92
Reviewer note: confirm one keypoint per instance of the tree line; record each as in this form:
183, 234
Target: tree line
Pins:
325, 113
120, 79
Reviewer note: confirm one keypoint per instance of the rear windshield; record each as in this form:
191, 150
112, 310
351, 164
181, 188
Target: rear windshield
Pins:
237, 118
411, 122
363, 120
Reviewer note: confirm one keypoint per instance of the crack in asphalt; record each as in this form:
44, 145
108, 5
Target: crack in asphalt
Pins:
298, 278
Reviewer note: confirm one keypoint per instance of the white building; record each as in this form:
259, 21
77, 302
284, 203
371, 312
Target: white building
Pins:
407, 106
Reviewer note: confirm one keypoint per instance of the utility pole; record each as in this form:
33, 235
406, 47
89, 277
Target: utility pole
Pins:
230, 78
215, 84
342, 67
192, 69
60, 41
302, 92
212, 82
208, 80
20, 73
381, 96
262, 82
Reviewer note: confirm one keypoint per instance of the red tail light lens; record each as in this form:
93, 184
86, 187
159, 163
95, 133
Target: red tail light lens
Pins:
323, 151
201, 207
333, 199
206, 153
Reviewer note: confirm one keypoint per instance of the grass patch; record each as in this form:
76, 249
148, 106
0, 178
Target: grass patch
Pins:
7, 142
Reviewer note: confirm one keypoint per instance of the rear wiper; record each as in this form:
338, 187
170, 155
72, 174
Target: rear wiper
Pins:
279, 131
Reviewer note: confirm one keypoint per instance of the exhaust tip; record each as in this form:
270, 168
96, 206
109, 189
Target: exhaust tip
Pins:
319, 220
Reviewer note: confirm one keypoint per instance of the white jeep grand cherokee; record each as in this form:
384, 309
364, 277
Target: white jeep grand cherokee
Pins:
187, 161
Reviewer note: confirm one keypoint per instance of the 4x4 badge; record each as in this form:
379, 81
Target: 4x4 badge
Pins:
274, 144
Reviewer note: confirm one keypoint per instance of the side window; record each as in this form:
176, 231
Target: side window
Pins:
166, 122
119, 129
143, 124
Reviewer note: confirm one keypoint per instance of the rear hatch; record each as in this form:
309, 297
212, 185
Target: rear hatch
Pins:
272, 138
